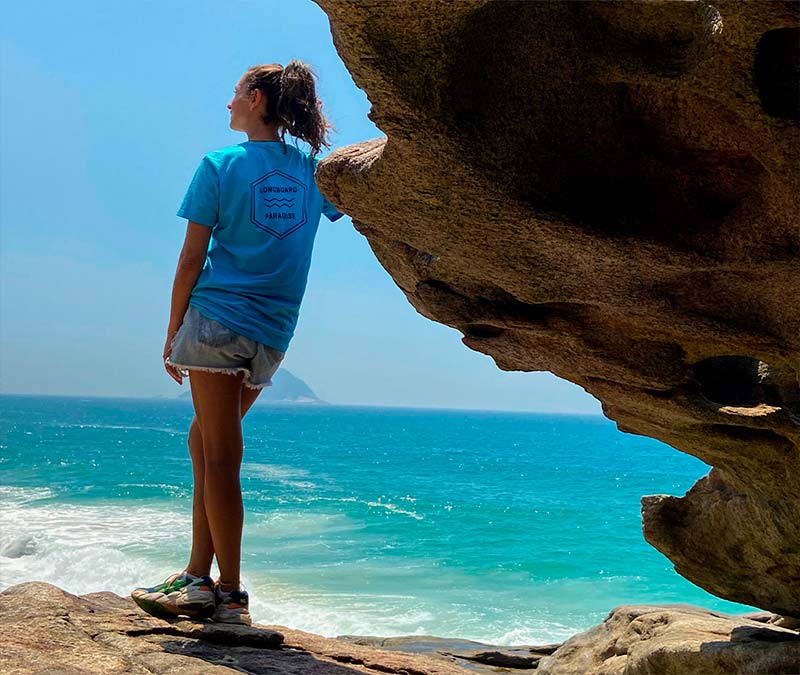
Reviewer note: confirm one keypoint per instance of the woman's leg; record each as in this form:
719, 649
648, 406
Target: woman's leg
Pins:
202, 553
217, 404
202, 545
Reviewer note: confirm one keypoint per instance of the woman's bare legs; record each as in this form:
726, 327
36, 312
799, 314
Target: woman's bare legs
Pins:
202, 554
215, 443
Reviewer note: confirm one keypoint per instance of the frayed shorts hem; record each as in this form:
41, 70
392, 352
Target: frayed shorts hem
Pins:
206, 345
226, 371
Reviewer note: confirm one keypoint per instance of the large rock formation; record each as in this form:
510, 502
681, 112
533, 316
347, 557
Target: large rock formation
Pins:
608, 191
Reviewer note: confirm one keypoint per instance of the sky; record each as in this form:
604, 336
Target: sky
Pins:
106, 108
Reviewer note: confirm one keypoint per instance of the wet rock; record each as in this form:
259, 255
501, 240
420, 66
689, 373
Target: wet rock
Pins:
471, 654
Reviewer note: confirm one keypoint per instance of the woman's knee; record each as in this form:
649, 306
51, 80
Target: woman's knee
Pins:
195, 440
223, 456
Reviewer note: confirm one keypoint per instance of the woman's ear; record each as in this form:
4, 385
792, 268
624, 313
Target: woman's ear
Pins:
257, 102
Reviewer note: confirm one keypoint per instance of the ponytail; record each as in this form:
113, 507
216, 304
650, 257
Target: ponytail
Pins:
292, 101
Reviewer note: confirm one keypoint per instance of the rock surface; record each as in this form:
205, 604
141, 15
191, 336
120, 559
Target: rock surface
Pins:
676, 640
519, 657
608, 191
47, 631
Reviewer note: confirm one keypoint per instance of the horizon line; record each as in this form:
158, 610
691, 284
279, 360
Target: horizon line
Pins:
314, 404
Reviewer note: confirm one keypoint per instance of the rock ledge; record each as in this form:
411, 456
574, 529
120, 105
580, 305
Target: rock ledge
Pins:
47, 631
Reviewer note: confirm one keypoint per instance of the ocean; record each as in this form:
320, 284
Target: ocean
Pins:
508, 528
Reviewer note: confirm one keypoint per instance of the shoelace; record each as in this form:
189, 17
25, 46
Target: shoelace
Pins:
171, 578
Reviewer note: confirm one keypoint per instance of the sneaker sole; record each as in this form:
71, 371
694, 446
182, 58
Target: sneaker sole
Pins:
225, 614
241, 619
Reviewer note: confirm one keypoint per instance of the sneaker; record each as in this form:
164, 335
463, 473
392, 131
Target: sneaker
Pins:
232, 607
178, 594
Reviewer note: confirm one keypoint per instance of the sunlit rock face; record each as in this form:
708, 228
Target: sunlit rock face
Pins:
610, 192
676, 640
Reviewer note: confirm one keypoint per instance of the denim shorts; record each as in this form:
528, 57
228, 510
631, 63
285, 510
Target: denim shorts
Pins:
205, 344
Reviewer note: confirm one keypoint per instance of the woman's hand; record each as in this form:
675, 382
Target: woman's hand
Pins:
172, 371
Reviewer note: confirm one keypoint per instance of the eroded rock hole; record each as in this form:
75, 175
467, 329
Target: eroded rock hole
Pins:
777, 72
737, 380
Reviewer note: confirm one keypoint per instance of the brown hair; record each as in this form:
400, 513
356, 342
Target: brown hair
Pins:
292, 101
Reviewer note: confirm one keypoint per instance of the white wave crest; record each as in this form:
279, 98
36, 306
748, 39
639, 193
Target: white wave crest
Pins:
272, 471
395, 509
84, 548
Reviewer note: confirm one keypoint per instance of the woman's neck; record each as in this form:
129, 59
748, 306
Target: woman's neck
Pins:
263, 133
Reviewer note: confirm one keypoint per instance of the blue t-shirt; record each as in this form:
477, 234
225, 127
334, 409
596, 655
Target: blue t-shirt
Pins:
264, 208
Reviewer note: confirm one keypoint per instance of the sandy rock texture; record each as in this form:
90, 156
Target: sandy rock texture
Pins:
609, 191
47, 631
676, 640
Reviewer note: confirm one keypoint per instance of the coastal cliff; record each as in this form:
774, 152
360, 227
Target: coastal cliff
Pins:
47, 631
608, 191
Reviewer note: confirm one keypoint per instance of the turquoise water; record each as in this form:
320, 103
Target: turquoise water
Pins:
502, 527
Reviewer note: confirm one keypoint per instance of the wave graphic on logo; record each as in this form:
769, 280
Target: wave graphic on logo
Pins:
279, 201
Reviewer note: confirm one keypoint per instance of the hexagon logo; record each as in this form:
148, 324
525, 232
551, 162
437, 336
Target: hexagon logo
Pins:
278, 203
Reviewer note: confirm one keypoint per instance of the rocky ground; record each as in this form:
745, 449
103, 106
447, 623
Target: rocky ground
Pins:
47, 631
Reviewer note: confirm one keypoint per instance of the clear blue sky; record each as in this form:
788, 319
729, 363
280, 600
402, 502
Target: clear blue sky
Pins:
107, 107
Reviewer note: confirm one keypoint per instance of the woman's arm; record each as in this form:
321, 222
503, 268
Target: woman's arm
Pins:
190, 264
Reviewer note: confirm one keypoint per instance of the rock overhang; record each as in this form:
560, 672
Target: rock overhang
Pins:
608, 192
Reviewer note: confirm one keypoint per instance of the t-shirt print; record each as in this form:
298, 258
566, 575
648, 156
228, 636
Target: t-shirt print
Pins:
278, 203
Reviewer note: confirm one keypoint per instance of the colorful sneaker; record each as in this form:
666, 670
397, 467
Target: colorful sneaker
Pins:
232, 607
180, 593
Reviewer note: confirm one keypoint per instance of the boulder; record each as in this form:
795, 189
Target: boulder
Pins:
610, 192
676, 640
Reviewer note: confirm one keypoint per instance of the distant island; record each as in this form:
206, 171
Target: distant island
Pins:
286, 388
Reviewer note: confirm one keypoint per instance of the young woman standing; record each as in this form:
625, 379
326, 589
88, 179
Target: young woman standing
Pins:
233, 313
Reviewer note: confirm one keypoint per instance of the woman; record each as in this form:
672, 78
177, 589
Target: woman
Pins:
234, 309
